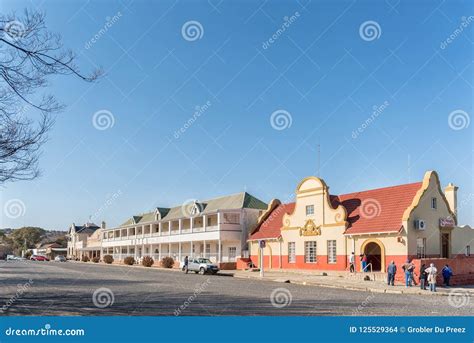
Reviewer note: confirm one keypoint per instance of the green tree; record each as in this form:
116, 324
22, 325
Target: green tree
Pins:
26, 238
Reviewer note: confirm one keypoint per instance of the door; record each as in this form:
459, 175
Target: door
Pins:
445, 245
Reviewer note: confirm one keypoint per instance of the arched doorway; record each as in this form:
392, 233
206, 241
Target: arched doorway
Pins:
375, 251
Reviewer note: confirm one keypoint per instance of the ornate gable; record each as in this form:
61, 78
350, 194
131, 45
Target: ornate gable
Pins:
313, 210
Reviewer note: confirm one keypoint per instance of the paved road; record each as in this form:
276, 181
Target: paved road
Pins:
53, 288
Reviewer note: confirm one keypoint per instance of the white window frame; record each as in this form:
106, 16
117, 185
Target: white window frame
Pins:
232, 254
291, 252
332, 251
310, 252
309, 210
421, 249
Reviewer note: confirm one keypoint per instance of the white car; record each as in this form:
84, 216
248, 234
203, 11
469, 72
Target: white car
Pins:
60, 258
201, 266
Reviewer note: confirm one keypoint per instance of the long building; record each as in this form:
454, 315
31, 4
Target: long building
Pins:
217, 229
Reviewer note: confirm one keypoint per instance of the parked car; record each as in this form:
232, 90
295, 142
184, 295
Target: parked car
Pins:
39, 258
60, 258
202, 266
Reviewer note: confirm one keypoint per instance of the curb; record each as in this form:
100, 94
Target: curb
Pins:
351, 288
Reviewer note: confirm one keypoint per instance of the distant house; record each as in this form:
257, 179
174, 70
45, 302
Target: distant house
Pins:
51, 250
84, 240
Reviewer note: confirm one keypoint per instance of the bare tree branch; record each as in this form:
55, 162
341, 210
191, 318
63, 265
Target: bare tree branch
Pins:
29, 55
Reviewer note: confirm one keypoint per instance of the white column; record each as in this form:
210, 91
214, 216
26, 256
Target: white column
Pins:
169, 249
159, 251
204, 222
159, 229
204, 252
219, 252
191, 249
169, 228
179, 252
191, 223
180, 225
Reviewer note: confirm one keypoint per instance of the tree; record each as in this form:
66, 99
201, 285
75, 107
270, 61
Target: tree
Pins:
29, 56
26, 238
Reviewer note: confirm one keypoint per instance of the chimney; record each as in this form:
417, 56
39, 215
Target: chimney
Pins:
451, 194
102, 225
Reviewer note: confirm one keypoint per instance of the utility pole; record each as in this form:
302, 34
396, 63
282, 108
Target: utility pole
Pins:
319, 161
409, 169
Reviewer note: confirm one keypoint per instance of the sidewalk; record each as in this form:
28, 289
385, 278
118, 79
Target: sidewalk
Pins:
346, 281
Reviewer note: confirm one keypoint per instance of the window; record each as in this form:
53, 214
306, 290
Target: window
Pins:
208, 249
231, 218
232, 253
291, 252
421, 247
468, 250
332, 251
209, 221
310, 252
434, 204
309, 209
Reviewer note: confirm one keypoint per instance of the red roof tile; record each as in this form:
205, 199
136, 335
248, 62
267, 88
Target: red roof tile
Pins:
376, 210
270, 228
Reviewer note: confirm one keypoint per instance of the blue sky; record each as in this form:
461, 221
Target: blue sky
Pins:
323, 73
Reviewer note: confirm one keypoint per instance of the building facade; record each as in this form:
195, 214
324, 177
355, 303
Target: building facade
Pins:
84, 240
320, 230
217, 229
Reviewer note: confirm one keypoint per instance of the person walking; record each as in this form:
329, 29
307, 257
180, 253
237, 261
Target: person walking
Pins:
408, 268
432, 272
186, 264
447, 273
391, 271
423, 277
364, 263
351, 263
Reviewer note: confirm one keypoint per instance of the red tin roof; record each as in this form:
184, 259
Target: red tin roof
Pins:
376, 210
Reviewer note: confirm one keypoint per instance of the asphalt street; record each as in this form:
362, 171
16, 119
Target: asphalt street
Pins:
54, 288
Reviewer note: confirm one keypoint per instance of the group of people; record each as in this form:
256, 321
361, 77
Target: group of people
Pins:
427, 275
363, 262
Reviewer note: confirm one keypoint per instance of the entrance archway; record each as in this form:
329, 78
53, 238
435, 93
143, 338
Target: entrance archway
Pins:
375, 251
